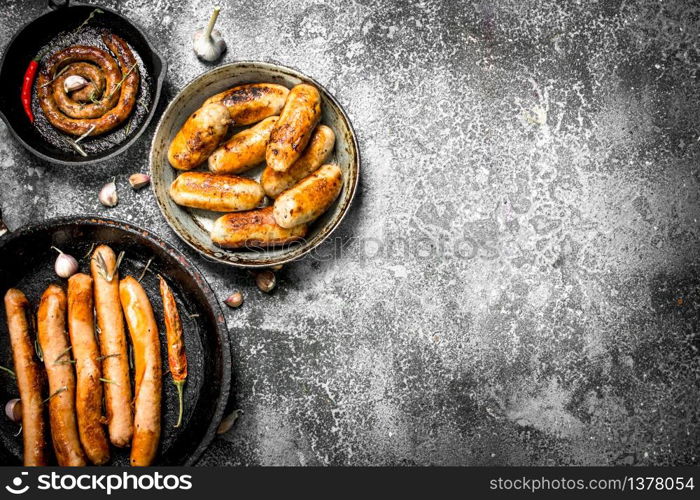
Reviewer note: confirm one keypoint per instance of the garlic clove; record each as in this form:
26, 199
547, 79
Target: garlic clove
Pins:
234, 300
265, 280
66, 265
139, 181
108, 194
228, 421
13, 410
74, 82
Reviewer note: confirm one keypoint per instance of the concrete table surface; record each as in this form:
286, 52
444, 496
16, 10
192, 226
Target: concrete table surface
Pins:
517, 282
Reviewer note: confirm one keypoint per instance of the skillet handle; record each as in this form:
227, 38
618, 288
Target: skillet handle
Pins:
3, 227
57, 4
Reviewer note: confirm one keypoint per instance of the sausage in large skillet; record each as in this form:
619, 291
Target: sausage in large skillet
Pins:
88, 400
113, 347
29, 379
147, 370
57, 360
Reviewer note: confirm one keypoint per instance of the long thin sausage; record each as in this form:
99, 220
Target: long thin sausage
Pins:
88, 402
115, 358
54, 345
147, 366
29, 379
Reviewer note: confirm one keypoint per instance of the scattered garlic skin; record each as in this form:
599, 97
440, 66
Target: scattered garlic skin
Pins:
66, 265
13, 410
139, 181
209, 45
108, 195
74, 82
265, 280
234, 300
228, 421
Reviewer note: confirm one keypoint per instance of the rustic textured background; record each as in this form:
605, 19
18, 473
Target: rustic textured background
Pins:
517, 282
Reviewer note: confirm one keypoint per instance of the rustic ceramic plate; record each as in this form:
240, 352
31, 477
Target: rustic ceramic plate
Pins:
193, 225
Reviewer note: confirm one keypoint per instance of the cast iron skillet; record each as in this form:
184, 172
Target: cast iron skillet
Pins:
26, 262
34, 36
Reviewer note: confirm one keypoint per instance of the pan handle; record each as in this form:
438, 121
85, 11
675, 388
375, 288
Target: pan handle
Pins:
3, 227
57, 4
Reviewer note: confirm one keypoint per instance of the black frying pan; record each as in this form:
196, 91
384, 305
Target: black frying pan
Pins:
26, 262
53, 30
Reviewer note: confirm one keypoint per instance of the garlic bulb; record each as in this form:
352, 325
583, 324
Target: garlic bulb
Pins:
66, 265
74, 82
209, 45
108, 194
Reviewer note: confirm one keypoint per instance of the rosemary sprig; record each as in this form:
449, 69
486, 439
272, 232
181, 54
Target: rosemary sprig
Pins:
108, 381
39, 352
193, 315
92, 14
10, 372
61, 71
58, 391
143, 273
102, 358
92, 247
90, 130
75, 146
63, 353
19, 431
118, 85
120, 257
64, 362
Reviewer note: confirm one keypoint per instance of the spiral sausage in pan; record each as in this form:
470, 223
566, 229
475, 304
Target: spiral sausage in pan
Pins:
105, 103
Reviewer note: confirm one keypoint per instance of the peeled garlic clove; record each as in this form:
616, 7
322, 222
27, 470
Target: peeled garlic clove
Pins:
74, 82
234, 300
66, 265
108, 195
13, 410
139, 181
265, 280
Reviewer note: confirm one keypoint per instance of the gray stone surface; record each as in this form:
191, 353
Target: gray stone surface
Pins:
517, 282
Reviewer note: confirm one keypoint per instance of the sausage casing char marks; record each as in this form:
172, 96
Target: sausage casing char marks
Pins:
29, 379
253, 229
252, 102
199, 136
55, 348
88, 401
113, 347
300, 115
218, 193
114, 105
310, 198
244, 150
316, 154
147, 370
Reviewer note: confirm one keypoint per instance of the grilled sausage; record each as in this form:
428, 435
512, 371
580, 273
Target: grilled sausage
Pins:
316, 154
199, 136
115, 358
244, 150
256, 228
29, 379
88, 401
147, 370
310, 198
301, 113
114, 106
219, 193
252, 102
54, 345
